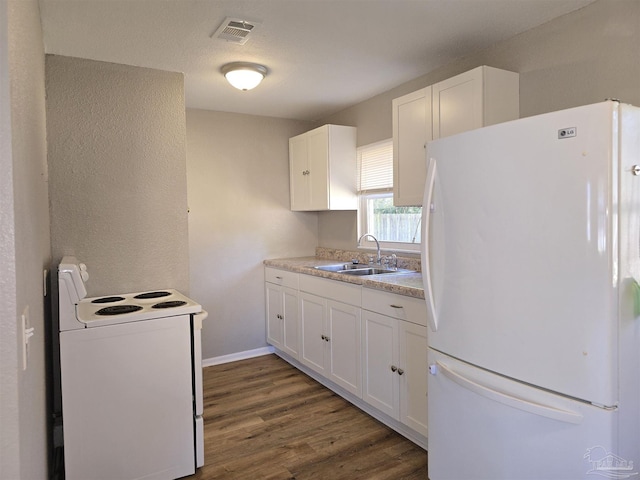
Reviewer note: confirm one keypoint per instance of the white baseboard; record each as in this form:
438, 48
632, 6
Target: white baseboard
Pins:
233, 357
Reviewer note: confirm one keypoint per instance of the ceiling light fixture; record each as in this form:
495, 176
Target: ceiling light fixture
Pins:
244, 75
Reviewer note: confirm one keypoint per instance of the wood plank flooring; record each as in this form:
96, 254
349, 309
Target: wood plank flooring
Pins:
264, 419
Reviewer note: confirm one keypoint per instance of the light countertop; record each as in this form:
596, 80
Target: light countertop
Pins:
409, 284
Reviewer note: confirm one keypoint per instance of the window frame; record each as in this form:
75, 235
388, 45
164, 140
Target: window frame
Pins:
362, 213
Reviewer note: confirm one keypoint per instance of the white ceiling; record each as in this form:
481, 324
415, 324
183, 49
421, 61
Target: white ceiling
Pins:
322, 55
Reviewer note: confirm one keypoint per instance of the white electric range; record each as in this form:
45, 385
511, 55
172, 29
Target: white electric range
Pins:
131, 377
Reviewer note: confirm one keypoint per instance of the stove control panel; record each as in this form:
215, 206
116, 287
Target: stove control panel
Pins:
73, 274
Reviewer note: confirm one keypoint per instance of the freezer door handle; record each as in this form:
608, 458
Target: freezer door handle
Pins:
426, 212
509, 400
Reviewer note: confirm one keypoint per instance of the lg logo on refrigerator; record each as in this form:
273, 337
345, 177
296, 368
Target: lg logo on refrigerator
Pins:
567, 132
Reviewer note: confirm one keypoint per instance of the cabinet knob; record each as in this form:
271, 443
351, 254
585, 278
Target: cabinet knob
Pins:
400, 371
394, 368
306, 172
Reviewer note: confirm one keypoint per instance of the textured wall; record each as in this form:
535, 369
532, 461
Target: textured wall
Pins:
117, 167
9, 413
583, 57
238, 177
24, 244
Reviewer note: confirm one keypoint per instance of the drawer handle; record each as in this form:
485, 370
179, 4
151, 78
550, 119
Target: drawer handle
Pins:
279, 278
396, 306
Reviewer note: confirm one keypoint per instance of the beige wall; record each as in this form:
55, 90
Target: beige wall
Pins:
583, 57
24, 240
117, 167
238, 183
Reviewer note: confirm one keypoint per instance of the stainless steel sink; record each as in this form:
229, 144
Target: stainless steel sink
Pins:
358, 269
339, 267
367, 271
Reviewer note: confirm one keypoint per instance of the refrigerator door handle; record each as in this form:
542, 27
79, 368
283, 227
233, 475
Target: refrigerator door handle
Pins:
509, 400
426, 269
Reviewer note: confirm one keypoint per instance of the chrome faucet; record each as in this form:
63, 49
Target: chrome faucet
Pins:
378, 259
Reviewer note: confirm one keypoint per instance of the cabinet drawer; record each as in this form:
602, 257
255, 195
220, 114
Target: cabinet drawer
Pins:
332, 289
281, 277
397, 306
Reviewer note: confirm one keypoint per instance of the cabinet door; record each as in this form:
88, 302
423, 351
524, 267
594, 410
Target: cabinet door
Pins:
380, 357
298, 166
317, 167
457, 104
312, 313
413, 381
273, 294
343, 331
411, 116
290, 323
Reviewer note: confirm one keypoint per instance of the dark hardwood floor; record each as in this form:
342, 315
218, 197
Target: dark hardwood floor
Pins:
264, 419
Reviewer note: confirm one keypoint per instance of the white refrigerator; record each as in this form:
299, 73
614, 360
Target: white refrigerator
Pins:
531, 264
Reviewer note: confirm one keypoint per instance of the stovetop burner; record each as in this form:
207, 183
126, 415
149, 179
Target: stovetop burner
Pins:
118, 309
78, 311
107, 300
160, 294
133, 307
175, 303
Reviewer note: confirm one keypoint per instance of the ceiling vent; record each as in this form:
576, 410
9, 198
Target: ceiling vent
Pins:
235, 30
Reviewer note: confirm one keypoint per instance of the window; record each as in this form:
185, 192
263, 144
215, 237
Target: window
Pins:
396, 228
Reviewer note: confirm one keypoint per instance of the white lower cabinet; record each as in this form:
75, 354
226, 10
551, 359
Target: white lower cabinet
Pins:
283, 321
331, 340
370, 343
381, 387
312, 314
413, 383
343, 322
394, 358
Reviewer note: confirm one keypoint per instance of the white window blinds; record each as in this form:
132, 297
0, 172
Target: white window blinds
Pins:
375, 167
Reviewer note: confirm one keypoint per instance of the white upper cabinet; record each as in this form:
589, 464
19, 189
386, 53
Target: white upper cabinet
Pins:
477, 98
322, 169
411, 132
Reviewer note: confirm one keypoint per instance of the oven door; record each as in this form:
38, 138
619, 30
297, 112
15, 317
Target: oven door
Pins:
127, 400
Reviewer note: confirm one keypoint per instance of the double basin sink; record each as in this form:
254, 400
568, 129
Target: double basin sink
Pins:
358, 269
